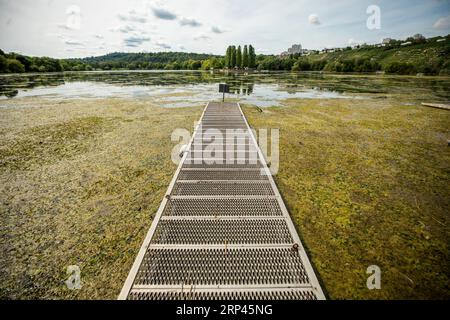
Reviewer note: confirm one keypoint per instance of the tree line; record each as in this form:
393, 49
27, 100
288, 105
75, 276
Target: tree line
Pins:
16, 63
235, 57
427, 56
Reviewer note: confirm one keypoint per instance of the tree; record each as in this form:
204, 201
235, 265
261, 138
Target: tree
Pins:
228, 57
233, 56
15, 66
252, 57
3, 64
25, 61
239, 57
245, 57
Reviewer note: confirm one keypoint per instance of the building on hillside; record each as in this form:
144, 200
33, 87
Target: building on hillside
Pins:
328, 50
418, 36
295, 49
386, 41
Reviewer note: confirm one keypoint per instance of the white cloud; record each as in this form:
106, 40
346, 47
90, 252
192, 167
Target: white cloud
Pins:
202, 36
135, 40
442, 23
217, 29
163, 45
98, 36
164, 14
133, 16
64, 26
125, 28
72, 42
314, 19
190, 22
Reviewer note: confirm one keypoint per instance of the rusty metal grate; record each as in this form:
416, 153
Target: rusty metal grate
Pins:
219, 207
214, 188
221, 267
223, 165
195, 294
222, 175
222, 230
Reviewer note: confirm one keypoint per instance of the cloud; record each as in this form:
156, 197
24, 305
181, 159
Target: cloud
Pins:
64, 26
135, 41
314, 19
124, 28
190, 22
133, 16
202, 36
72, 42
217, 29
442, 23
182, 48
164, 14
163, 45
98, 36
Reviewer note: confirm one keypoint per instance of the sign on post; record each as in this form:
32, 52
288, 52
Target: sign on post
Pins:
224, 88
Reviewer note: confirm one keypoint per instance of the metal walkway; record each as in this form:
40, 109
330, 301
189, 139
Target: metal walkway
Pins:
222, 231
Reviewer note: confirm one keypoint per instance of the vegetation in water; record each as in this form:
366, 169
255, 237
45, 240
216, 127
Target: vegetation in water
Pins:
80, 183
367, 183
365, 180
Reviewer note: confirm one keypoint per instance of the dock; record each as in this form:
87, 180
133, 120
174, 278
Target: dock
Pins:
444, 106
222, 230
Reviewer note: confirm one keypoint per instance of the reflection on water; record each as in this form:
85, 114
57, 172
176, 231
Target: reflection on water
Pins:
179, 88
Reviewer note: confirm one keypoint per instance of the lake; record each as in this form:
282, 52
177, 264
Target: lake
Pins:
185, 88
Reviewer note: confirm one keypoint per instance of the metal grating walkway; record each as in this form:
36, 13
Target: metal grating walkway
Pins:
222, 231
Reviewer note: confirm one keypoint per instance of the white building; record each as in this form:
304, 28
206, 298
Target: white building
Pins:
295, 49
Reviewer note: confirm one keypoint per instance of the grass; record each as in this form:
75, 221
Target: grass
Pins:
80, 182
367, 182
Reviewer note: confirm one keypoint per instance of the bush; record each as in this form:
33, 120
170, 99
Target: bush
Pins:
348, 66
318, 65
301, 65
400, 68
366, 65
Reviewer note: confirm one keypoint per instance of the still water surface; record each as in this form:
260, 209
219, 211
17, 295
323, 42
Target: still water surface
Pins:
183, 88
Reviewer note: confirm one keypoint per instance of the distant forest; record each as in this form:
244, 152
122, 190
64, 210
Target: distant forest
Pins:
412, 56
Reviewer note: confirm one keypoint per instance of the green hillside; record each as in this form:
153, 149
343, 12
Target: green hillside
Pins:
428, 56
139, 61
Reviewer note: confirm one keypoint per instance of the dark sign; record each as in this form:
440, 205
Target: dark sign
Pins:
224, 88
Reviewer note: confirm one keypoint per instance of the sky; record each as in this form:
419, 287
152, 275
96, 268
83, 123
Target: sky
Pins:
80, 28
